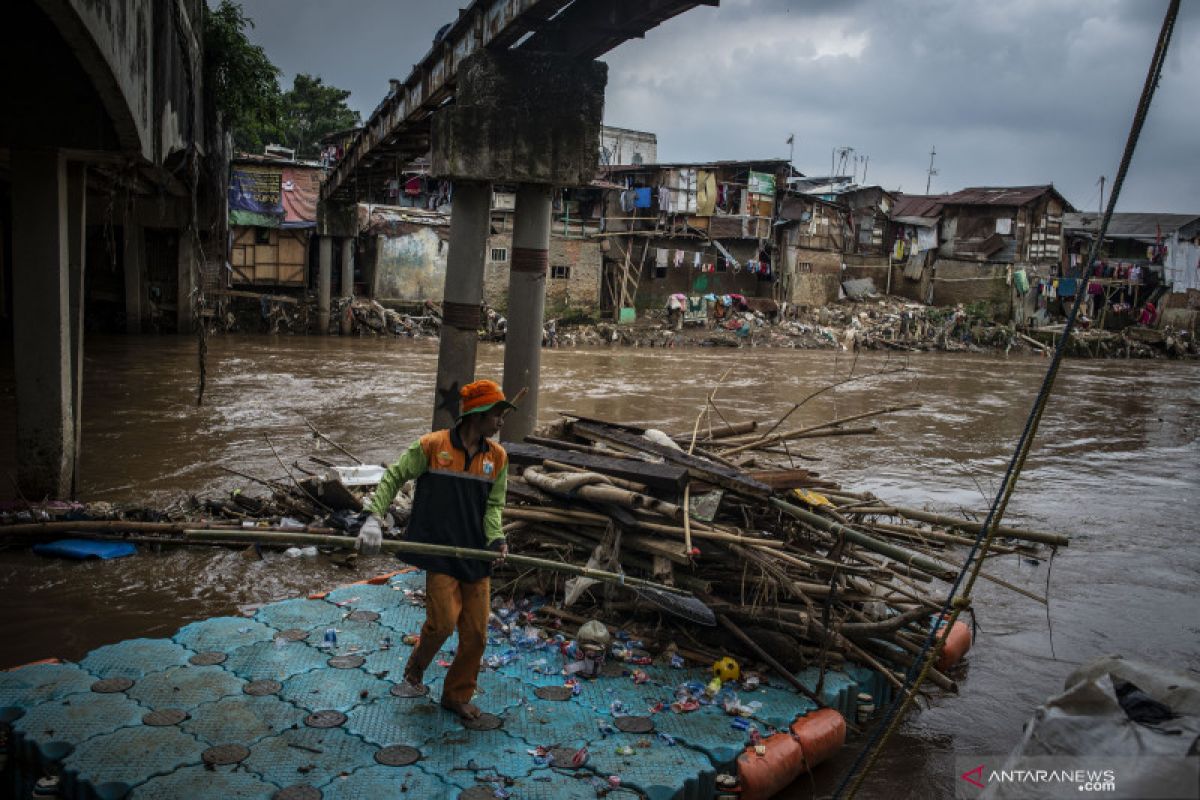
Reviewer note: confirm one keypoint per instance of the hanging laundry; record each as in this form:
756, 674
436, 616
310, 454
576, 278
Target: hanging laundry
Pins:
664, 198
641, 198
660, 257
696, 260
413, 186
679, 254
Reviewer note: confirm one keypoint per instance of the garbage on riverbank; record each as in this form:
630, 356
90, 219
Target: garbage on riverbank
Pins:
886, 323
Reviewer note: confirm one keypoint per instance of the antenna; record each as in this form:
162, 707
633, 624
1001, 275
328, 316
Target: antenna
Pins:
932, 171
1101, 181
843, 154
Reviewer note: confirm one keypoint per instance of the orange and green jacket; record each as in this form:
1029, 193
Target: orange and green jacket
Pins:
456, 503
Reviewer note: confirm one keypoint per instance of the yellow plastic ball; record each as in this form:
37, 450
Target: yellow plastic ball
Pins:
727, 669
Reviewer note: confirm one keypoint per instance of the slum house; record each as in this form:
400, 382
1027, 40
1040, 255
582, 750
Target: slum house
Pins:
865, 212
272, 218
1001, 246
625, 146
915, 239
814, 238
1147, 271
704, 232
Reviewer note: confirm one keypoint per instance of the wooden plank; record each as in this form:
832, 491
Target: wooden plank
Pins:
787, 478
663, 477
716, 474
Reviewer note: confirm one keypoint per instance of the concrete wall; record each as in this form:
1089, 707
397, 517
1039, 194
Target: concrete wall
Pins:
969, 282
813, 277
579, 292
143, 58
410, 268
624, 146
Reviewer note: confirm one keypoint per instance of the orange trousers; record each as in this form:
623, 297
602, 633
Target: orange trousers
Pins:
449, 604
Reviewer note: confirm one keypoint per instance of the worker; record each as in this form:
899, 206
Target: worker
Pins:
462, 480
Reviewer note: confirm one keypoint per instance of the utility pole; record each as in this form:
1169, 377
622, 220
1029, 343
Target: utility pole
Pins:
932, 171
1101, 195
791, 142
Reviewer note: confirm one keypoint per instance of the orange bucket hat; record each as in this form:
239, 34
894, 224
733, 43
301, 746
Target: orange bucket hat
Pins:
481, 396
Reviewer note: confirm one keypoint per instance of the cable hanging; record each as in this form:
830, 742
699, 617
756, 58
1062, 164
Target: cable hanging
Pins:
954, 603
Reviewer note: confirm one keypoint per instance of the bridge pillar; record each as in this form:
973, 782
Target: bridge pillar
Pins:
526, 306
135, 273
347, 282
470, 224
527, 118
324, 283
42, 322
76, 258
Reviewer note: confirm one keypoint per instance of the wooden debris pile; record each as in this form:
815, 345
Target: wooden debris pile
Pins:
796, 570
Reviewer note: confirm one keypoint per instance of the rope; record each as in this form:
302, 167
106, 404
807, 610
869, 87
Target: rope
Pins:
987, 532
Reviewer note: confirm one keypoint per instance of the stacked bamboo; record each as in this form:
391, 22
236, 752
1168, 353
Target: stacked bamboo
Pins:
797, 570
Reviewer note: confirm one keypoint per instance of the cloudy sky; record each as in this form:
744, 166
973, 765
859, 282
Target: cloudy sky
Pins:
1011, 92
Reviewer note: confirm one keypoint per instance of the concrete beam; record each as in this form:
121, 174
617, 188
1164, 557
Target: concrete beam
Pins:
526, 307
41, 324
469, 228
348, 244
522, 117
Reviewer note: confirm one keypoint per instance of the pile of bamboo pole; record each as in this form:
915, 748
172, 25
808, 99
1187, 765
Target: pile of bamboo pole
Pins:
797, 570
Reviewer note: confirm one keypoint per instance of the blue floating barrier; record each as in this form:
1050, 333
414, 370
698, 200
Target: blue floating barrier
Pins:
83, 549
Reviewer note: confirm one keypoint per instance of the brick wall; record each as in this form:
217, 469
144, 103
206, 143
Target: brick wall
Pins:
573, 285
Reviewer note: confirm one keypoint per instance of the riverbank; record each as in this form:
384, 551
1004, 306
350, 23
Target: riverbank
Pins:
885, 324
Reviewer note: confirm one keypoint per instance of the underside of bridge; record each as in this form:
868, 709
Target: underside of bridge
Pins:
102, 154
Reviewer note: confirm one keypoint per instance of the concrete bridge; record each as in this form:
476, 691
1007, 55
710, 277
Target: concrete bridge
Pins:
102, 140
508, 93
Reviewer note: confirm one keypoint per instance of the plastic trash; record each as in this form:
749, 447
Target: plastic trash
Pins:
301, 552
291, 524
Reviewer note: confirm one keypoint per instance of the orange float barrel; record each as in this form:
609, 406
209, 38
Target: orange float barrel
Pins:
812, 739
764, 776
821, 734
958, 642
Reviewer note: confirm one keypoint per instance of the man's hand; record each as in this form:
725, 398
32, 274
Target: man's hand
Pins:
370, 537
503, 551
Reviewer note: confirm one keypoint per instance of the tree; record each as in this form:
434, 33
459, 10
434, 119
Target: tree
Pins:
243, 82
311, 110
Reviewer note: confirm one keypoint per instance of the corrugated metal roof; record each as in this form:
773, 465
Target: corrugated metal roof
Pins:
775, 163
1131, 225
999, 195
918, 205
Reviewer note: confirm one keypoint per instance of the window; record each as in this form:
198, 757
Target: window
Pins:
804, 267
262, 235
499, 254
722, 265
659, 272
560, 272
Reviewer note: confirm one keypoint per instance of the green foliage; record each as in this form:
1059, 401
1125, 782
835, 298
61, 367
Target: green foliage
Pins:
243, 81
312, 110
245, 89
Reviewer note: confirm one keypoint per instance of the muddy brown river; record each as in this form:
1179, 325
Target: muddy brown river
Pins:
1116, 465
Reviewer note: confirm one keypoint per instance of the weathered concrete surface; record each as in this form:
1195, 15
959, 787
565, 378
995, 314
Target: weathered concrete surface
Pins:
410, 268
464, 290
347, 282
143, 57
42, 325
530, 262
521, 117
135, 274
324, 283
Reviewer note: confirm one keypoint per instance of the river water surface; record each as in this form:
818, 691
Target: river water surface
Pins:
1116, 465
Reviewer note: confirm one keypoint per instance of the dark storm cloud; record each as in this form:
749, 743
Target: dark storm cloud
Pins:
1010, 91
